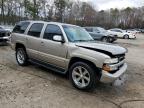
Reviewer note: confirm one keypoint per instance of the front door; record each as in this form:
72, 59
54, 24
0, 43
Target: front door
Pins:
51, 51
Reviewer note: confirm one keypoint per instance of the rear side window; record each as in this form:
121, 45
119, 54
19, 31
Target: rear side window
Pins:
119, 31
35, 29
116, 30
96, 30
89, 29
52, 30
21, 27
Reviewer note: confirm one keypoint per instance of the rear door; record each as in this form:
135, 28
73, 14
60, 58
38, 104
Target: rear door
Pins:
93, 32
33, 40
120, 33
96, 34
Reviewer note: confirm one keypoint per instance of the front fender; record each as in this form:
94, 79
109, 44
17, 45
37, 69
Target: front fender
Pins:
95, 57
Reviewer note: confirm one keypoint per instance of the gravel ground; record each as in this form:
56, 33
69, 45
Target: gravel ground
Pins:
36, 87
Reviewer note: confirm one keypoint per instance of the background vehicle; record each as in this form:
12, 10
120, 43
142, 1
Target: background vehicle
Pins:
142, 30
9, 29
101, 34
133, 31
122, 33
4, 35
68, 49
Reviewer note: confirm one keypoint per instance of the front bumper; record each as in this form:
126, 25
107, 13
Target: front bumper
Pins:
6, 38
109, 78
132, 36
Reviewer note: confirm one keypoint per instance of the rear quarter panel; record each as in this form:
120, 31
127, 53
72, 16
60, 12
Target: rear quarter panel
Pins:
17, 38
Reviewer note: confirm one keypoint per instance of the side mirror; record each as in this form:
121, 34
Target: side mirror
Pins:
58, 38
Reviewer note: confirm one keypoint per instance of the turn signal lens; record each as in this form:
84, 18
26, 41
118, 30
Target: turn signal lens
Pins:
106, 68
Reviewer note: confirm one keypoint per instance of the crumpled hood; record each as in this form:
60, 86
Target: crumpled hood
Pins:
106, 48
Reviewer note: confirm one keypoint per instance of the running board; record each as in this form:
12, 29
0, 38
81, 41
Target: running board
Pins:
48, 66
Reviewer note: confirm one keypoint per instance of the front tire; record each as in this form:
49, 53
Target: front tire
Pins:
21, 57
104, 39
110, 40
83, 76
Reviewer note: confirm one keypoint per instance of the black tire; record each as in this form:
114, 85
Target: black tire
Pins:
93, 76
126, 37
104, 39
24, 54
110, 40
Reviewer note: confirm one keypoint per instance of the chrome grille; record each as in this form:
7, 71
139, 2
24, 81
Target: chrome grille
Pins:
120, 57
121, 62
2, 34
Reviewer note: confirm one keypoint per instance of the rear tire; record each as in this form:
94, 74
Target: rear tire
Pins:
126, 36
21, 57
83, 76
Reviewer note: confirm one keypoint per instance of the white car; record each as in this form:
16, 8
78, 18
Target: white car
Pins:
122, 34
132, 31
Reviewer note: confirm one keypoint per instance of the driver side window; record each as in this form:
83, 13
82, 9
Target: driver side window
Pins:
118, 31
96, 30
52, 30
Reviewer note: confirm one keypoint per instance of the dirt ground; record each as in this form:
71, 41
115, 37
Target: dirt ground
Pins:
36, 87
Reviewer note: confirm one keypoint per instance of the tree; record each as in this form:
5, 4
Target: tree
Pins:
2, 10
70, 11
25, 3
32, 9
60, 6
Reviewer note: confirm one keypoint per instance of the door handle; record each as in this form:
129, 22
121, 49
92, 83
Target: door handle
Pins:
42, 43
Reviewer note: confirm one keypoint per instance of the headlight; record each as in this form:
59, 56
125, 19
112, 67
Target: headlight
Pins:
109, 64
109, 68
111, 61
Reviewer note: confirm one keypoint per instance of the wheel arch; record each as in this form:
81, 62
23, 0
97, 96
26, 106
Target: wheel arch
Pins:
78, 59
20, 45
126, 35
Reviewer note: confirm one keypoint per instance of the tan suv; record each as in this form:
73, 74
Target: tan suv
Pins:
68, 49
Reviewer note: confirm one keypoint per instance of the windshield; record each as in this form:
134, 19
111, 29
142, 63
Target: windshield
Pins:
75, 33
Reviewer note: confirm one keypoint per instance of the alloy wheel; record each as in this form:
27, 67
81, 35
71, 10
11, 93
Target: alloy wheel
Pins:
81, 76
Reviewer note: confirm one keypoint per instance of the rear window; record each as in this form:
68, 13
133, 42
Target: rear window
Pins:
35, 29
21, 27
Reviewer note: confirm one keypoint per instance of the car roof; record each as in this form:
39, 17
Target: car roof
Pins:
115, 29
92, 27
57, 23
